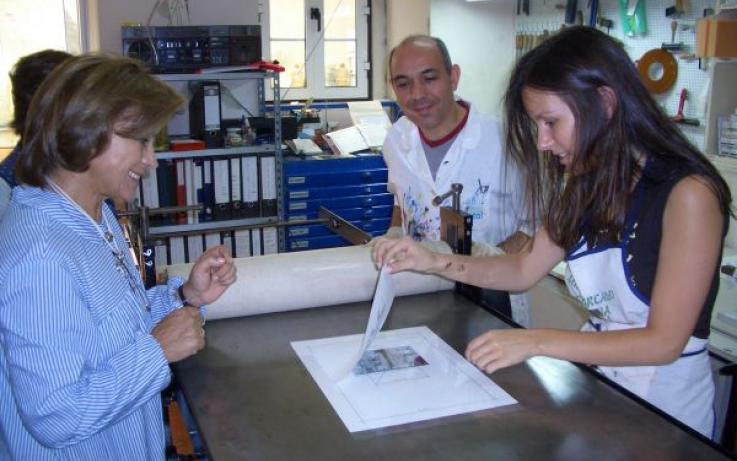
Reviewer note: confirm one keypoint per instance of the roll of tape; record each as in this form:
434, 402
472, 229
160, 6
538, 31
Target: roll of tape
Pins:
669, 70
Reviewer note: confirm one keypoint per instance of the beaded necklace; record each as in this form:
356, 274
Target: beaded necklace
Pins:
107, 236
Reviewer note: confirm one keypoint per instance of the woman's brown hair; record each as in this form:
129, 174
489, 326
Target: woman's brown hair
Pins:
576, 64
75, 111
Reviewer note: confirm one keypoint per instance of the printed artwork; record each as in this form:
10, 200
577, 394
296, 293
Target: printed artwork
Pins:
392, 358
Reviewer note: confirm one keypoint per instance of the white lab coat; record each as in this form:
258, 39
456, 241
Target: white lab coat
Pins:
492, 187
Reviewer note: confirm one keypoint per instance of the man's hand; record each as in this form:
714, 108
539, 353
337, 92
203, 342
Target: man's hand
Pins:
180, 334
211, 275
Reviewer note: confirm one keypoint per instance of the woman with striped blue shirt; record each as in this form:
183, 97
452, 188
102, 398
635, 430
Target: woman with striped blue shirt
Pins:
85, 349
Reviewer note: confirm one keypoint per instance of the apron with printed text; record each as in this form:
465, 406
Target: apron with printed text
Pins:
599, 279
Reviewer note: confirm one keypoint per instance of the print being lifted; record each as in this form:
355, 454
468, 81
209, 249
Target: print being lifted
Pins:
384, 378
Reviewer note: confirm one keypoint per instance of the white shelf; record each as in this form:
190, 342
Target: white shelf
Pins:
218, 152
213, 76
266, 150
210, 225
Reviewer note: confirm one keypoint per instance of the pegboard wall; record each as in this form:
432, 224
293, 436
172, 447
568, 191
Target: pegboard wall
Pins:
549, 15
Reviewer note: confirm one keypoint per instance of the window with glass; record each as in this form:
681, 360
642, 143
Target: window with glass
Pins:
322, 44
26, 27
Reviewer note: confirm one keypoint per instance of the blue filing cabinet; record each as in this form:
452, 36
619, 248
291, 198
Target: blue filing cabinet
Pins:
353, 188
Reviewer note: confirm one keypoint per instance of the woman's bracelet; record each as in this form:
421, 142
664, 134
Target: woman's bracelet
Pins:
180, 293
203, 308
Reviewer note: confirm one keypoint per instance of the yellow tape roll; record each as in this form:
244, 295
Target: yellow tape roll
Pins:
669, 73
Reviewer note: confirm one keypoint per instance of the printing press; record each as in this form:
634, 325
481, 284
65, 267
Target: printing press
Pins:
251, 398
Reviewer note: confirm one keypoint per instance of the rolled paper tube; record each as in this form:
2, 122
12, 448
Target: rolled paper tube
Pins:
306, 279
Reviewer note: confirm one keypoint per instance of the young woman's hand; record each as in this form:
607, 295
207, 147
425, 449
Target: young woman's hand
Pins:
403, 254
211, 275
498, 349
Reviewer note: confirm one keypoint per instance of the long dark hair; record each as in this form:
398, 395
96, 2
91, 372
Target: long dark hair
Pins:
576, 64
26, 77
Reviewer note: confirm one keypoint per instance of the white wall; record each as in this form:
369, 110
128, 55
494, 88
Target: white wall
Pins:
480, 39
406, 17
403, 18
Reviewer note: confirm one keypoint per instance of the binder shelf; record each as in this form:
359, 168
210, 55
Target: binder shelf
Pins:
233, 194
220, 152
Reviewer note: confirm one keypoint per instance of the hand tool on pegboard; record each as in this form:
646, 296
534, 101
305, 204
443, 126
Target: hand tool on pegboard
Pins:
673, 46
679, 117
604, 22
593, 12
571, 7
676, 10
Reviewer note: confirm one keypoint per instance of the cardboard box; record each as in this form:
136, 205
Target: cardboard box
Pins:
716, 38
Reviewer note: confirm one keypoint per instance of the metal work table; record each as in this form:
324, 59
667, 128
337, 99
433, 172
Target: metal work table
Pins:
253, 400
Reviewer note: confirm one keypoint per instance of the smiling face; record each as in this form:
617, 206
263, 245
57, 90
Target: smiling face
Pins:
556, 124
424, 87
117, 171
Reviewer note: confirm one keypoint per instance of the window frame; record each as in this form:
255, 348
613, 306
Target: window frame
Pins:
315, 68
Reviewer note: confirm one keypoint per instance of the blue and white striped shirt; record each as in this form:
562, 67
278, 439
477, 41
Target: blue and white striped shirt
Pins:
80, 373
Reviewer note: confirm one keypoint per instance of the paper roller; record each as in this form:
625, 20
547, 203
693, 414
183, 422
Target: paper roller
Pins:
305, 279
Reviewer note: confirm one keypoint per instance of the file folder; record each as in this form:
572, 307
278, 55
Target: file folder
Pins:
208, 191
221, 183
176, 250
268, 186
256, 242
236, 201
194, 247
242, 243
249, 182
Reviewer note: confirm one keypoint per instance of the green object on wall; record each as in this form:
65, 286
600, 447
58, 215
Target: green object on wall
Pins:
633, 22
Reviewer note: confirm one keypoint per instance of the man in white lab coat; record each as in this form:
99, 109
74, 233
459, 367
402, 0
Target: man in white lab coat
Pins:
442, 140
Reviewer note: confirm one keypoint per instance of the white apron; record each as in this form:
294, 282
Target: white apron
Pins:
684, 389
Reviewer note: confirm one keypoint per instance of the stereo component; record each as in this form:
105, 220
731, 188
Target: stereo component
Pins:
183, 49
204, 114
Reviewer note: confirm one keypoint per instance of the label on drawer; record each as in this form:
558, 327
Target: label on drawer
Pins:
296, 180
297, 206
299, 194
298, 231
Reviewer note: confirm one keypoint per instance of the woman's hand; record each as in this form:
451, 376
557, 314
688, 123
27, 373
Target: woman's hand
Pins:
211, 275
403, 254
180, 334
498, 349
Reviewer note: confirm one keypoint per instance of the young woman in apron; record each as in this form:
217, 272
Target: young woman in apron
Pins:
638, 213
